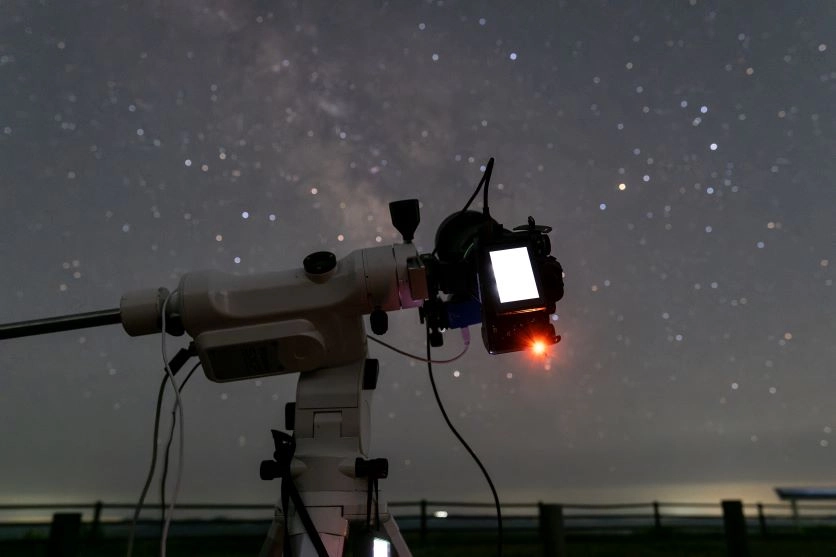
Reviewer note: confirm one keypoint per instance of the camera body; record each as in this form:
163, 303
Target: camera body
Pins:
506, 279
519, 285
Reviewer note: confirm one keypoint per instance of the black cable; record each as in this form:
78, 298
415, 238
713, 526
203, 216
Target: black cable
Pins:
466, 446
486, 180
164, 476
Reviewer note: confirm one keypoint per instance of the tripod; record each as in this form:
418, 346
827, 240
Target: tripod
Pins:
331, 420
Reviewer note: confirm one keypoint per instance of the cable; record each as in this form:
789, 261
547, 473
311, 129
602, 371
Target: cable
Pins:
157, 413
465, 338
138, 508
178, 405
486, 180
164, 475
466, 446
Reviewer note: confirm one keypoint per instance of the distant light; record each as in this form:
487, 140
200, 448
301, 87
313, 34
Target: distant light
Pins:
435, 57
603, 206
440, 514
622, 186
482, 21
219, 238
760, 245
188, 162
713, 146
245, 215
272, 217
822, 47
735, 386
237, 260
314, 191
704, 109
513, 56
422, 26
457, 373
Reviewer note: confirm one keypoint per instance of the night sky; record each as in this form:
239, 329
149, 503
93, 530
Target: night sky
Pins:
682, 151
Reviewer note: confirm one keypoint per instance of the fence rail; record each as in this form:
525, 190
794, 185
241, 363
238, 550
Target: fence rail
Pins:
552, 521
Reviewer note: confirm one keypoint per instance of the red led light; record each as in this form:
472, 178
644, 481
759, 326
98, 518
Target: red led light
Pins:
538, 347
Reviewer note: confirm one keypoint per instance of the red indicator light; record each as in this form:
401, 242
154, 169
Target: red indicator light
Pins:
538, 347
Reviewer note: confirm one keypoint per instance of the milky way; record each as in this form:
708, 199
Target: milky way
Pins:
683, 153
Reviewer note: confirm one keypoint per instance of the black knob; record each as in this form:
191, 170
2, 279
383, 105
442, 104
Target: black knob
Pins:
269, 470
379, 321
371, 370
319, 262
290, 416
405, 216
375, 468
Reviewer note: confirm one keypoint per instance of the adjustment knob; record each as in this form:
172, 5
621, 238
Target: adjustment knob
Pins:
406, 216
319, 263
269, 470
379, 321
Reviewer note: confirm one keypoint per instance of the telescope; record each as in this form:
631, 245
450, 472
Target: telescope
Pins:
310, 320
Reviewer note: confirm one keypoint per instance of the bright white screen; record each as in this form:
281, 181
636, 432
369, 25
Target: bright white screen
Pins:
514, 275
380, 548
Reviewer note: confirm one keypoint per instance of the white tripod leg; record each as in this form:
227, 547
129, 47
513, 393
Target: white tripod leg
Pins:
394, 533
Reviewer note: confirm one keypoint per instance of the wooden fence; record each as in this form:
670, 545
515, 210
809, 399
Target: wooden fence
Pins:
553, 521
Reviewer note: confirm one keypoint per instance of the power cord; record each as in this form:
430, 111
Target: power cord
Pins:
465, 339
178, 405
175, 365
465, 445
164, 476
486, 180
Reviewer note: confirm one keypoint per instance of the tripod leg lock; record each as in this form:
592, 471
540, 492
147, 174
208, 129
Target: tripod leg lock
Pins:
374, 468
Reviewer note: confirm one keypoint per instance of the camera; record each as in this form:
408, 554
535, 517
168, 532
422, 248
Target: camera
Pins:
507, 279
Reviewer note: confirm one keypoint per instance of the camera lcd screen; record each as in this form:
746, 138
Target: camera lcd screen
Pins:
514, 275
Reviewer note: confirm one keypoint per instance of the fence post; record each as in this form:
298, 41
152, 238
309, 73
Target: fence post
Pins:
96, 527
657, 517
63, 535
762, 520
552, 531
735, 528
423, 519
